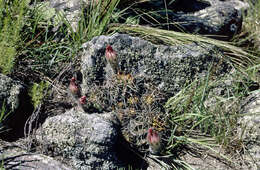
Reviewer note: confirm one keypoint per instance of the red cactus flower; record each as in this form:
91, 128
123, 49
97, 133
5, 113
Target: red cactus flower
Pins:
82, 99
110, 53
73, 87
154, 141
112, 58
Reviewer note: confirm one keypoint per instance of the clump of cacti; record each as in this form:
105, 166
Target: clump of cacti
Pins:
137, 103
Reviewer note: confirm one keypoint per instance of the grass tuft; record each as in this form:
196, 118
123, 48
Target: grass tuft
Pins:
3, 115
11, 17
205, 114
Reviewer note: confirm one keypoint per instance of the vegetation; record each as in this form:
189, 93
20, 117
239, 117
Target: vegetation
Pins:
3, 115
12, 17
37, 93
198, 116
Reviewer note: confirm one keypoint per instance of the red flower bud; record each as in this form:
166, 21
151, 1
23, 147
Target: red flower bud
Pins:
110, 53
73, 87
82, 99
154, 141
111, 58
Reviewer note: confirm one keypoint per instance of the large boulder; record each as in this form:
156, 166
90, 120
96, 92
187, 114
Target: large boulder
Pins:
169, 68
220, 19
86, 140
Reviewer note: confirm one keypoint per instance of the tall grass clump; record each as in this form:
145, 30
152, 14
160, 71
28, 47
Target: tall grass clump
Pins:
11, 23
94, 20
205, 115
52, 43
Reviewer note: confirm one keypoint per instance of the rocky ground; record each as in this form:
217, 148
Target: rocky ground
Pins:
100, 118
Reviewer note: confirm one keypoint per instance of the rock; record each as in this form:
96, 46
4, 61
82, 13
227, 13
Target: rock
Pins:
149, 75
249, 128
86, 140
206, 161
15, 102
218, 19
71, 9
14, 157
169, 68
10, 91
251, 107
70, 5
257, 43
54, 10
237, 4
152, 4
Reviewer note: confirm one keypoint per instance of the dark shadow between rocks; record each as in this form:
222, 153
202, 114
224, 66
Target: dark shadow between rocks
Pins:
15, 122
129, 156
220, 20
176, 13
190, 6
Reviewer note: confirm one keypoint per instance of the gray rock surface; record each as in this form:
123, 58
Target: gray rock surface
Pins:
219, 19
251, 108
13, 157
9, 93
71, 9
87, 140
237, 4
250, 128
54, 10
169, 68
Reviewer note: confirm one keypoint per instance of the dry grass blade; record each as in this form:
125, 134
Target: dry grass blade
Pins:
237, 55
